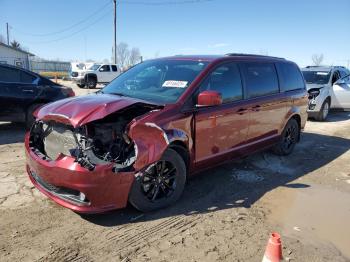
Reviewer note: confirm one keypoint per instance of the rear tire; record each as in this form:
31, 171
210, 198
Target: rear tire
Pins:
289, 138
155, 189
29, 115
323, 114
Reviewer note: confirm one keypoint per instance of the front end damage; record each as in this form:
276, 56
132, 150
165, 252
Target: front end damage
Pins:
91, 167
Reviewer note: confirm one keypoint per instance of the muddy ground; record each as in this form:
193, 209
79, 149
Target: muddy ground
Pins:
225, 214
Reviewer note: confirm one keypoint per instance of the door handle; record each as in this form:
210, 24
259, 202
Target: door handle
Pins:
28, 90
241, 111
256, 108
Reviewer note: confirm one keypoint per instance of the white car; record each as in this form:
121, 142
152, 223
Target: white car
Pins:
328, 87
95, 74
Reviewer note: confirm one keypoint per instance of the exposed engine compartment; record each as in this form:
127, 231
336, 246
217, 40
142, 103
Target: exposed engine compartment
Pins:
99, 142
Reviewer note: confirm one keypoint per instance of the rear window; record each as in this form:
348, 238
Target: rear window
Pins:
260, 78
290, 77
114, 68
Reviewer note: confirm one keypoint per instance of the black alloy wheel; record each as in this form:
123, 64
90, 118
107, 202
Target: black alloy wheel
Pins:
159, 180
160, 184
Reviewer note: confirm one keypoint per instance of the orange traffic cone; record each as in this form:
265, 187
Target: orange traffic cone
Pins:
273, 251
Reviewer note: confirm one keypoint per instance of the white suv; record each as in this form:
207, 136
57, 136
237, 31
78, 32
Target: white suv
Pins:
322, 83
95, 74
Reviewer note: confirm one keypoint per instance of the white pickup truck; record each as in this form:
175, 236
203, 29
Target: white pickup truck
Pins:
95, 74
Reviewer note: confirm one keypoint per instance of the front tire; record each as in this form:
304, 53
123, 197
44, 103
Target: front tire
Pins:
81, 85
91, 83
160, 184
289, 138
323, 114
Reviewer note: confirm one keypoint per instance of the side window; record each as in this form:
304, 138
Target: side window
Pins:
27, 78
105, 68
335, 77
260, 78
114, 68
9, 75
226, 79
290, 77
343, 73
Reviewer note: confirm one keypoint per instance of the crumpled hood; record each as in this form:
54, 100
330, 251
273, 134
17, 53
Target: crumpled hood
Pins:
84, 109
311, 86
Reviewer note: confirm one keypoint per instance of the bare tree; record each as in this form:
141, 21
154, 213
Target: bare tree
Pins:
123, 54
135, 56
15, 44
317, 59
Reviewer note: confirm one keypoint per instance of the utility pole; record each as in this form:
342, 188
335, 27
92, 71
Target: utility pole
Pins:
8, 36
115, 31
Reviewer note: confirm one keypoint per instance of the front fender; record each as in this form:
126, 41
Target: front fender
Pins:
151, 141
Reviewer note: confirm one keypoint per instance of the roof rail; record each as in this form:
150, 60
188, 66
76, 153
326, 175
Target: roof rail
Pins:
315, 66
252, 55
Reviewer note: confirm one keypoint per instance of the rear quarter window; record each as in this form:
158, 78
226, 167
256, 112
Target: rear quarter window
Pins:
290, 77
260, 79
27, 78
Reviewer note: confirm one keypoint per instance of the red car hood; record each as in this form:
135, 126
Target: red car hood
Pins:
84, 109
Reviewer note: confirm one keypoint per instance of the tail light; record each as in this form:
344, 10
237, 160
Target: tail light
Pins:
68, 92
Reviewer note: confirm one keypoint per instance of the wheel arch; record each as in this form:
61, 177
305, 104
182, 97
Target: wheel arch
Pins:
90, 75
298, 119
181, 148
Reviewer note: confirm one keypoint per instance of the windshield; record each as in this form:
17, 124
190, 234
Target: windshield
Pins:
158, 81
317, 77
94, 67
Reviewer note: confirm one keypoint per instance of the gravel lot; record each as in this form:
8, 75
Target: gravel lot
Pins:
225, 214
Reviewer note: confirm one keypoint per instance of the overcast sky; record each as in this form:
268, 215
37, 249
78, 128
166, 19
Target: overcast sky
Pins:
83, 29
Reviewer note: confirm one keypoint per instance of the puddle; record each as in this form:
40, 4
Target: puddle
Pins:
313, 215
247, 176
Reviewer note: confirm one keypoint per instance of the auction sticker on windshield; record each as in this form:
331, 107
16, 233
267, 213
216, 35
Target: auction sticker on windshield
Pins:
174, 83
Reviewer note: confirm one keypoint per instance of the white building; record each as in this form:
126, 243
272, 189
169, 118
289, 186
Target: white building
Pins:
13, 56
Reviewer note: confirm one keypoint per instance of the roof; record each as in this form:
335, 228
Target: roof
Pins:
321, 68
210, 58
19, 50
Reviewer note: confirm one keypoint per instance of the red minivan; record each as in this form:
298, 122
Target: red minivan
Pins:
141, 136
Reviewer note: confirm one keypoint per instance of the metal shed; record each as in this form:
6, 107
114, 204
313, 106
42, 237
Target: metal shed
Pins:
13, 56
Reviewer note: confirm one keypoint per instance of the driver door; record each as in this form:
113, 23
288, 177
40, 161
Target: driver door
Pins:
341, 93
221, 130
104, 74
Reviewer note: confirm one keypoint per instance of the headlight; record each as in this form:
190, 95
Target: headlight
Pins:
313, 93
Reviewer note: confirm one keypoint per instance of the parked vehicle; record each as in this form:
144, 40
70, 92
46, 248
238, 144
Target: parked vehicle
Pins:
140, 137
328, 88
95, 74
22, 92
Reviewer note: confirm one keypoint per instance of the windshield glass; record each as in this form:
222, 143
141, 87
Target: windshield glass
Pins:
158, 81
317, 77
94, 67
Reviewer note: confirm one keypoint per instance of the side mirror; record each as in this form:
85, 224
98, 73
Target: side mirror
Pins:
101, 69
340, 82
209, 98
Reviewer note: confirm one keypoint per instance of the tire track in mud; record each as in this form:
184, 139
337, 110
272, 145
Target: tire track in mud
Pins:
64, 254
134, 238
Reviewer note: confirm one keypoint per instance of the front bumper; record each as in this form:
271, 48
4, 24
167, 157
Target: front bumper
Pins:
65, 182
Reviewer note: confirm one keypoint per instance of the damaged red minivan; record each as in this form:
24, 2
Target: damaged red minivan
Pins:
139, 138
